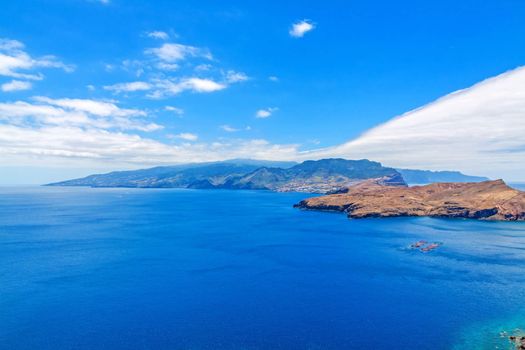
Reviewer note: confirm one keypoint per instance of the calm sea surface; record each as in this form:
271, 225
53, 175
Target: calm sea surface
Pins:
187, 269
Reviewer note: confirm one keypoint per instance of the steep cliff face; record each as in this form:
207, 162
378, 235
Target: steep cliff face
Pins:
488, 200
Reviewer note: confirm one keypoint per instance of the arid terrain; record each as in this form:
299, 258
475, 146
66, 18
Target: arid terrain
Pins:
488, 200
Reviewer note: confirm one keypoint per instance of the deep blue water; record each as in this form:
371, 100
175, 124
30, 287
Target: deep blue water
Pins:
187, 269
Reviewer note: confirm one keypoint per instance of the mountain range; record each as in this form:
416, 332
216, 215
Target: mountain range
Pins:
319, 176
423, 177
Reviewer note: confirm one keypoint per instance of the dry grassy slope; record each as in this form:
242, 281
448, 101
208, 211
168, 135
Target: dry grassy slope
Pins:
490, 200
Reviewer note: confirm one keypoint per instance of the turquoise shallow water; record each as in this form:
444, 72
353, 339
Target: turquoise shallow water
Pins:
186, 269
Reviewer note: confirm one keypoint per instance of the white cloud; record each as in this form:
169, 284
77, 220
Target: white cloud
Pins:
129, 87
167, 66
167, 87
79, 113
178, 111
16, 85
96, 134
77, 147
63, 145
201, 85
158, 68
235, 77
16, 63
203, 67
157, 34
161, 88
9, 45
479, 130
137, 67
109, 67
301, 27
95, 107
171, 52
74, 133
228, 128
91, 87
273, 78
187, 136
265, 113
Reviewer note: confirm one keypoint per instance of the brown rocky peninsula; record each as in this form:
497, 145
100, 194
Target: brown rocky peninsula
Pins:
488, 200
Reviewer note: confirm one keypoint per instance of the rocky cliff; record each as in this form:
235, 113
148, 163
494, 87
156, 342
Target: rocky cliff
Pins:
488, 200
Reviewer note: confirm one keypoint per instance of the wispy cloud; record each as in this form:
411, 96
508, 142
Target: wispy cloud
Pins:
173, 52
15, 62
167, 66
203, 67
176, 110
81, 113
265, 113
157, 34
161, 88
73, 146
72, 132
228, 128
95, 107
235, 77
16, 85
187, 136
300, 28
103, 2
200, 85
479, 130
171, 87
129, 87
174, 68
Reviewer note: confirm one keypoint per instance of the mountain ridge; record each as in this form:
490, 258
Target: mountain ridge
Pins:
416, 176
320, 176
310, 176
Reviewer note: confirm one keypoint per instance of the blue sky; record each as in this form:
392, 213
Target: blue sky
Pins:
223, 79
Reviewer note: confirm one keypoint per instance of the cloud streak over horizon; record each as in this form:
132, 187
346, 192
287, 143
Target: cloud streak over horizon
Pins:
478, 130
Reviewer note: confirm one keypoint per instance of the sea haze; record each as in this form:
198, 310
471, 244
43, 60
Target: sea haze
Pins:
84, 268
518, 186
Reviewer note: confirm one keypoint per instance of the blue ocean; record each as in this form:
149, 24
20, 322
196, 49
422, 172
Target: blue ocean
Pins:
85, 268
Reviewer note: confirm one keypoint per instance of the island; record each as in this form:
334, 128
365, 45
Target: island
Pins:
312, 176
487, 200
319, 176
